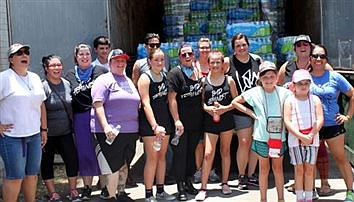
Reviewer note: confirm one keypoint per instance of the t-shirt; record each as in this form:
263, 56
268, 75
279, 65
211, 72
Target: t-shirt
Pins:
303, 113
58, 120
189, 98
20, 102
98, 63
266, 105
81, 91
120, 101
327, 88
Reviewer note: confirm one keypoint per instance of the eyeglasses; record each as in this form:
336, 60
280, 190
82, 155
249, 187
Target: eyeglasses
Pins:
55, 65
21, 52
322, 56
241, 45
190, 54
154, 45
302, 43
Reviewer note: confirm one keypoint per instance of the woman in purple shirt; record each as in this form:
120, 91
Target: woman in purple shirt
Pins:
116, 102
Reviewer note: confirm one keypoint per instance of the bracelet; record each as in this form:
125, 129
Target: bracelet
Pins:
44, 129
348, 117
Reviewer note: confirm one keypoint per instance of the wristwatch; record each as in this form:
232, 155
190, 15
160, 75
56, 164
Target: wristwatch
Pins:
44, 129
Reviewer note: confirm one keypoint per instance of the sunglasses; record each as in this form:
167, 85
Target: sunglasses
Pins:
154, 45
322, 56
21, 52
55, 65
302, 43
204, 47
190, 54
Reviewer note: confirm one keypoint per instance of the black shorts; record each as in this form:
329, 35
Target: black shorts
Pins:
328, 132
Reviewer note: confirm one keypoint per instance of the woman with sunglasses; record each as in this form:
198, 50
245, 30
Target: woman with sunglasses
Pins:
244, 68
81, 78
302, 48
60, 138
185, 104
327, 86
152, 42
23, 125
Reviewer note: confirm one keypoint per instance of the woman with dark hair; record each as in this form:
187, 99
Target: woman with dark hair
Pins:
327, 86
185, 104
81, 78
244, 68
23, 125
59, 121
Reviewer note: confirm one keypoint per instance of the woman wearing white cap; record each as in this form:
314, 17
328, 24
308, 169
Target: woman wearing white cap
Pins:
21, 100
303, 117
114, 122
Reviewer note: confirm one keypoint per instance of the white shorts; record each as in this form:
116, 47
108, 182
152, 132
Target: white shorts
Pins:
303, 154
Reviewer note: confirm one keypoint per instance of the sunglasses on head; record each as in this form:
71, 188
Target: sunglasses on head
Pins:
187, 53
322, 56
154, 45
21, 52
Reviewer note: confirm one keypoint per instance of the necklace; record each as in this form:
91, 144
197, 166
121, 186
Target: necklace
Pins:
24, 79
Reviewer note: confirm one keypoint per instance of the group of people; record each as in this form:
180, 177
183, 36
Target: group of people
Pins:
94, 115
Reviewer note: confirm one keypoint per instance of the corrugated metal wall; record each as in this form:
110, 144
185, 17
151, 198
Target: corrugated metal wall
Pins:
56, 26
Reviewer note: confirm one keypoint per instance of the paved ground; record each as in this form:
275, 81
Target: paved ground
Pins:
214, 193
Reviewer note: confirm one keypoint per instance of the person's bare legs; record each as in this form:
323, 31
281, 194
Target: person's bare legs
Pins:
112, 184
87, 180
244, 144
11, 189
29, 188
277, 167
50, 185
252, 163
225, 142
161, 162
264, 167
199, 155
209, 153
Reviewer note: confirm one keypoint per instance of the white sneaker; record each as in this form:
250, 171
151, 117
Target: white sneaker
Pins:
202, 194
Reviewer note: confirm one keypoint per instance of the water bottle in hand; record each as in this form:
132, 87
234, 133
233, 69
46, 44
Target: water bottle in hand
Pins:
115, 130
157, 144
175, 139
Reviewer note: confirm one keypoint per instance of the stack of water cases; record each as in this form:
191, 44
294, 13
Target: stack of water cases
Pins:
176, 13
285, 49
274, 12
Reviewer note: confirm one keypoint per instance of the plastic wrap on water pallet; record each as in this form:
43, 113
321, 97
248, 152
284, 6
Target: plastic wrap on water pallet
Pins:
173, 31
249, 3
258, 45
285, 44
215, 27
212, 37
242, 14
217, 15
181, 8
251, 29
191, 28
269, 57
227, 4
142, 53
169, 20
198, 16
197, 5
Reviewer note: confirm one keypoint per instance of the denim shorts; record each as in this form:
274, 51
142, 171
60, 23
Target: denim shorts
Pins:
21, 155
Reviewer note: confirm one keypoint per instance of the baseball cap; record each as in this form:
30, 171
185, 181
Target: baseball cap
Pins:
266, 65
117, 53
302, 38
301, 74
15, 47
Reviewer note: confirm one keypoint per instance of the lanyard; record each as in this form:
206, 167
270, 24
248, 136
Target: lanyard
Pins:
265, 108
297, 118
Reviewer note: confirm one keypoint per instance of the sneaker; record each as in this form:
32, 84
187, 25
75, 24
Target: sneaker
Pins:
165, 196
104, 193
225, 189
198, 176
213, 177
123, 196
54, 197
349, 196
253, 180
202, 194
86, 193
242, 182
151, 199
315, 195
74, 196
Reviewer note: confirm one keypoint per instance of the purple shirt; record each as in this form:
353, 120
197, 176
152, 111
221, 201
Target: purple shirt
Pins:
120, 101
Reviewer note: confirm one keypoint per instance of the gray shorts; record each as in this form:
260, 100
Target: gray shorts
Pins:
242, 122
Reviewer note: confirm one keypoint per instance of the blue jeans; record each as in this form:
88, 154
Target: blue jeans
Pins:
21, 155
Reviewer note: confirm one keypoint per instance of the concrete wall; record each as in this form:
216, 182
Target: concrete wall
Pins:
4, 35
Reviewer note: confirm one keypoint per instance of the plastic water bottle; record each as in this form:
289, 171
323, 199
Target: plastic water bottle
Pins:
157, 144
115, 131
216, 117
175, 139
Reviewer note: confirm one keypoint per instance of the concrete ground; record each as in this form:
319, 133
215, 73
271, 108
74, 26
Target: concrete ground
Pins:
214, 193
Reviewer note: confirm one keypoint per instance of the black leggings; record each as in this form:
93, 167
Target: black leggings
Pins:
183, 154
65, 146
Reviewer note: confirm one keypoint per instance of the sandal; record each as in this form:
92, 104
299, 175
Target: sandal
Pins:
325, 190
291, 188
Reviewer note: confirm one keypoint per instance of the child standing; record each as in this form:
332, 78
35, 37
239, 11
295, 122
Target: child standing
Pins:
269, 141
303, 117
